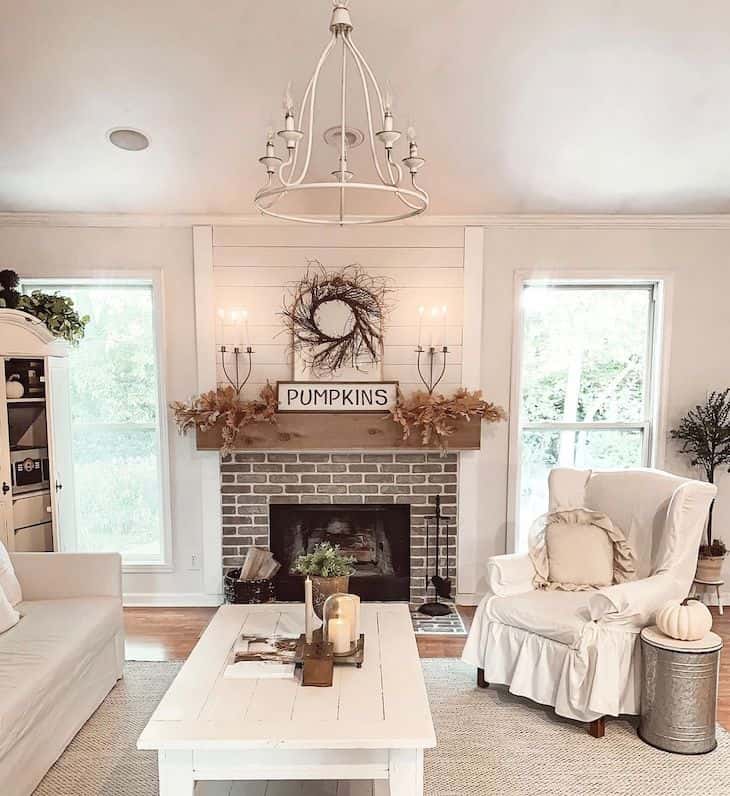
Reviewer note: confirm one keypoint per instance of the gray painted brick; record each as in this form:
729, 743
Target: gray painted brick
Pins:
275, 478
299, 468
364, 489
268, 489
251, 478
379, 499
347, 499
380, 478
299, 489
363, 468
268, 468
427, 468
331, 468
332, 489
250, 457
390, 489
378, 457
235, 468
395, 468
308, 478
284, 499
347, 478
410, 458
346, 457
448, 478
281, 457
410, 479
314, 457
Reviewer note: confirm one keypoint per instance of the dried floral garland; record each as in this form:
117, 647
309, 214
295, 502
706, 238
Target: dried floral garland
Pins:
224, 404
361, 340
435, 415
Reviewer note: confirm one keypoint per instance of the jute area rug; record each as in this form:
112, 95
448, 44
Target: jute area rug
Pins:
489, 744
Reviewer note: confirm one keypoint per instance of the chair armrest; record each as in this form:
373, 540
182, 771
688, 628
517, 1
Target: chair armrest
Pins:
635, 603
55, 576
510, 574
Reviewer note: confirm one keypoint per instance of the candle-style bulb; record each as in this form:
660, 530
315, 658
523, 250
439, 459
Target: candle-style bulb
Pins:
388, 97
411, 133
221, 313
288, 100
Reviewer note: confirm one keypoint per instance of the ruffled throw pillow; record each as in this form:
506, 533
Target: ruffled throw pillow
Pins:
579, 549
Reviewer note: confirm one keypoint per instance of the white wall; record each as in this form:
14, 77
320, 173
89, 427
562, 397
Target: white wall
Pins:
41, 251
254, 268
696, 255
697, 258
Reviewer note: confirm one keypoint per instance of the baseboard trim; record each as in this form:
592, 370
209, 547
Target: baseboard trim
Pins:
170, 600
468, 599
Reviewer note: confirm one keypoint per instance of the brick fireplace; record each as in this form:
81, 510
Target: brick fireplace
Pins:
252, 482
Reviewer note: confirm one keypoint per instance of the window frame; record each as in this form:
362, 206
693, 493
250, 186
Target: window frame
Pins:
653, 425
155, 279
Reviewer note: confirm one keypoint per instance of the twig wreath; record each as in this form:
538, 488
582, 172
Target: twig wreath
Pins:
361, 338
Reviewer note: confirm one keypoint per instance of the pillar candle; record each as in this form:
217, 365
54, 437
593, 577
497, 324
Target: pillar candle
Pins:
308, 610
338, 634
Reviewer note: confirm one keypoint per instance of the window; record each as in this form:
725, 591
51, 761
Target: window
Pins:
586, 395
120, 478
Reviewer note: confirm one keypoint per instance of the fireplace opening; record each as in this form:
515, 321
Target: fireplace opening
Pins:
377, 536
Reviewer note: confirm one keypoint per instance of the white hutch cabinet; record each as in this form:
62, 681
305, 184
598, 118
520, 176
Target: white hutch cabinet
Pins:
37, 507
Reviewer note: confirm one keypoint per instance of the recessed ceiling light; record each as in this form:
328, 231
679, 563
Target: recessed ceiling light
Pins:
129, 139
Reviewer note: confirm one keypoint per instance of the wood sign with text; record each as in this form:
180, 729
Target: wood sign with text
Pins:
351, 396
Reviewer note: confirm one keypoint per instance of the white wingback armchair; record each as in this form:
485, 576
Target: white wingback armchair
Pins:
579, 651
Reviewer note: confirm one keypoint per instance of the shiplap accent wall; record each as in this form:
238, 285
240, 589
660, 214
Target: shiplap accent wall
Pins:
254, 266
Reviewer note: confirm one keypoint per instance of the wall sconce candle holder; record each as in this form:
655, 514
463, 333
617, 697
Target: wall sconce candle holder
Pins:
429, 381
236, 381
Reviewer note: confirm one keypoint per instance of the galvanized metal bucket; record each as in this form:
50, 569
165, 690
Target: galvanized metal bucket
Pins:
679, 696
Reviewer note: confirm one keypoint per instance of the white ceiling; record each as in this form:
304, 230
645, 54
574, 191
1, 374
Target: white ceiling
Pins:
530, 106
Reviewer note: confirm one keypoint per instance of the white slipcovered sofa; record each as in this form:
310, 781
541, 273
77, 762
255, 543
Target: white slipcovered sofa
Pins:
59, 662
579, 651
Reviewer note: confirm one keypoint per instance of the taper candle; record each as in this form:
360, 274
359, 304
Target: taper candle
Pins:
421, 310
308, 609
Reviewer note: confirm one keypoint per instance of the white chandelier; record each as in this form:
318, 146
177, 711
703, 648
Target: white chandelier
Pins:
283, 177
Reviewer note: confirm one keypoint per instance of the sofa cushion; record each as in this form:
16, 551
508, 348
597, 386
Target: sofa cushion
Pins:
53, 643
9, 617
557, 615
8, 581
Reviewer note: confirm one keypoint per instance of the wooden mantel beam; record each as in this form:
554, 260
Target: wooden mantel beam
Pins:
328, 431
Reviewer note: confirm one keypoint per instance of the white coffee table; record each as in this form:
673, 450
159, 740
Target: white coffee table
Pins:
372, 724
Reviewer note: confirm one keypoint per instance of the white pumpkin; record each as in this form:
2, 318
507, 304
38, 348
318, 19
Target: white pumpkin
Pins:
689, 620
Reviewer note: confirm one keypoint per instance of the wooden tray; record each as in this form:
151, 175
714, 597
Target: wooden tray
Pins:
355, 659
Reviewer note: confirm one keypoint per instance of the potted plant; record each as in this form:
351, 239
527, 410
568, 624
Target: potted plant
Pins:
329, 570
704, 434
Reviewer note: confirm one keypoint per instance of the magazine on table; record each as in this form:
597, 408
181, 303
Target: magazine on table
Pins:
263, 657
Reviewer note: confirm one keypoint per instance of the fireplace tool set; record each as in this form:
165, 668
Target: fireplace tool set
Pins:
441, 585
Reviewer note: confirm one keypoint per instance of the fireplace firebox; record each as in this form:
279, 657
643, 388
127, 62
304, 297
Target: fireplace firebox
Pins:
377, 536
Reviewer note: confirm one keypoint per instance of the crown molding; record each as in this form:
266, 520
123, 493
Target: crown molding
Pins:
522, 221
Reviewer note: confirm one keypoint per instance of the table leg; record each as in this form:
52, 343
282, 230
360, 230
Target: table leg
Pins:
406, 772
719, 601
176, 773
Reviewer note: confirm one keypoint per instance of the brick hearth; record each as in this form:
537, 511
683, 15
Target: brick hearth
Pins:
250, 481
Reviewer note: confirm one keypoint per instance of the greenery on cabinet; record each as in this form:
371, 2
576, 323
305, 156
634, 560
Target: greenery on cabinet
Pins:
704, 436
325, 561
57, 312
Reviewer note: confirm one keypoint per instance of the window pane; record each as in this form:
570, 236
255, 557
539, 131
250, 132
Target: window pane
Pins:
115, 416
585, 353
117, 494
589, 449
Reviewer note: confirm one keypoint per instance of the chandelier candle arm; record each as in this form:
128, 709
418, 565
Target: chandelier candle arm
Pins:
285, 175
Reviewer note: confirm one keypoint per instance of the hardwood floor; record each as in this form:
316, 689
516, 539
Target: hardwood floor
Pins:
169, 634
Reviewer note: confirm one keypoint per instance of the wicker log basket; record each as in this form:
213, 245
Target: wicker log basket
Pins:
247, 591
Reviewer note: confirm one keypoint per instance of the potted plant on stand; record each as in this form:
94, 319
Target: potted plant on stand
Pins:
329, 570
704, 434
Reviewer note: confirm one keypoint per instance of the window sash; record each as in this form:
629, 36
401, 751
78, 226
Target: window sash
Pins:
148, 280
651, 398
